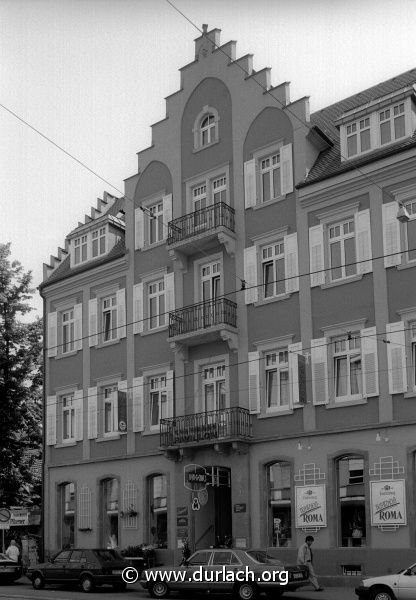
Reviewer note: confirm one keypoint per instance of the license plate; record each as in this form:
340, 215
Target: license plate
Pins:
297, 575
118, 572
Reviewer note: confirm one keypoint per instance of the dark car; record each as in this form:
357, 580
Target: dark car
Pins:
244, 573
78, 566
10, 570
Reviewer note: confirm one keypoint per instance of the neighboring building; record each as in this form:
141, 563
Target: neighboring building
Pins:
191, 323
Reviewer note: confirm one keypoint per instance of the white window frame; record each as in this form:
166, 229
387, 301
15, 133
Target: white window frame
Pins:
207, 130
155, 218
156, 291
112, 310
69, 410
214, 375
109, 396
99, 237
82, 246
157, 392
199, 391
391, 118
350, 351
356, 130
267, 167
198, 266
264, 154
341, 238
279, 367
208, 179
68, 325
275, 252
212, 129
411, 209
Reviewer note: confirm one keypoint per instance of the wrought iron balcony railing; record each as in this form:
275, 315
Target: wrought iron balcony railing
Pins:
202, 315
222, 425
200, 221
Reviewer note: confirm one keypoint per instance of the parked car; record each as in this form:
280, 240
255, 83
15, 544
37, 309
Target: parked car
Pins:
399, 586
212, 570
79, 566
9, 569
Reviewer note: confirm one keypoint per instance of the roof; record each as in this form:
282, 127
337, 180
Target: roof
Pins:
329, 162
64, 270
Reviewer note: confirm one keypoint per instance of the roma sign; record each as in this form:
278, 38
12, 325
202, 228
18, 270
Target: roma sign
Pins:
388, 502
310, 506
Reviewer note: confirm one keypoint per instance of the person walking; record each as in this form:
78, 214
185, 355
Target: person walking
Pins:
305, 558
13, 551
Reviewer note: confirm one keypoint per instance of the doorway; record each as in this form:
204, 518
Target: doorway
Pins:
213, 522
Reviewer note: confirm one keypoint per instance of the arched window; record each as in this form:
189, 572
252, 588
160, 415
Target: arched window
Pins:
206, 128
66, 529
158, 510
279, 504
110, 506
351, 501
207, 131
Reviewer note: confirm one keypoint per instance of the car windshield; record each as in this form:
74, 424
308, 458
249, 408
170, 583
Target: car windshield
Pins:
262, 557
107, 555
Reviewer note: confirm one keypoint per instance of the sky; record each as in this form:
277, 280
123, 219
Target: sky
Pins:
92, 76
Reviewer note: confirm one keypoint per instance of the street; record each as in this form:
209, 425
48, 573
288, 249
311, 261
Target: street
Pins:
23, 590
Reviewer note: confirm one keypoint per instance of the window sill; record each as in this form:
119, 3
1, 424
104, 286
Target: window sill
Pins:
272, 299
410, 395
155, 330
66, 444
406, 265
60, 356
155, 431
108, 438
200, 148
259, 205
276, 413
332, 284
109, 343
353, 401
148, 246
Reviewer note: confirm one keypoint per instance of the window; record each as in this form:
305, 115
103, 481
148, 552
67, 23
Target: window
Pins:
219, 190
273, 269
109, 318
199, 197
392, 124
412, 336
68, 331
277, 379
68, 418
358, 137
110, 506
279, 504
98, 242
110, 409
410, 230
347, 366
342, 253
200, 558
156, 224
351, 501
270, 177
214, 393
158, 510
156, 296
207, 130
158, 399
66, 530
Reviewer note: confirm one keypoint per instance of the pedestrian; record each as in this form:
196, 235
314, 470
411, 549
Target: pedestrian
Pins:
305, 558
13, 551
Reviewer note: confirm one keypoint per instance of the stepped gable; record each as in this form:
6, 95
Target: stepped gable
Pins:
329, 162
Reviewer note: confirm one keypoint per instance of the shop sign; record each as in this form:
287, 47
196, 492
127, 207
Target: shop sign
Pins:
195, 477
182, 522
310, 506
181, 511
239, 508
388, 502
19, 516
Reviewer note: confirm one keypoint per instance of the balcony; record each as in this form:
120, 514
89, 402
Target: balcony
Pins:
208, 321
202, 228
227, 425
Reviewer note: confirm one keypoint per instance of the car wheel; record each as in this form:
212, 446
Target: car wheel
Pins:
381, 594
159, 589
87, 584
246, 591
38, 581
120, 586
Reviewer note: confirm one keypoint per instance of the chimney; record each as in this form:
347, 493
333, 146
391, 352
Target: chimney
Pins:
207, 42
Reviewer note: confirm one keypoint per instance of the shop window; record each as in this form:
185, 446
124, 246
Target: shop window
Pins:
66, 530
279, 501
351, 501
158, 511
110, 507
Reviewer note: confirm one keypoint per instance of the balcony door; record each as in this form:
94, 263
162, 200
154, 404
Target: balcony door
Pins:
210, 292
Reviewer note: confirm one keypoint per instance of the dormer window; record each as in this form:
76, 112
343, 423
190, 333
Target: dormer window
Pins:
358, 137
98, 242
205, 128
92, 244
392, 124
81, 249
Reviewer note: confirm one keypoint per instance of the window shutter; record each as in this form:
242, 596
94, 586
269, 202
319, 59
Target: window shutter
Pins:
78, 326
297, 374
369, 361
79, 413
363, 241
52, 334
169, 394
291, 263
137, 395
92, 319
169, 292
254, 382
396, 357
319, 360
121, 313
167, 214
122, 406
316, 255
84, 508
138, 228
250, 274
138, 308
286, 169
92, 413
391, 235
250, 183
51, 420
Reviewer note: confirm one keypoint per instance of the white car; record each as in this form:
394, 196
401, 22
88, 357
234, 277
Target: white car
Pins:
400, 586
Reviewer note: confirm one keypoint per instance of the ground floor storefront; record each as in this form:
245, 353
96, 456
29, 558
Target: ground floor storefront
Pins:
353, 491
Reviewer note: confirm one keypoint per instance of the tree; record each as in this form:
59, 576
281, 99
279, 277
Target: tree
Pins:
20, 387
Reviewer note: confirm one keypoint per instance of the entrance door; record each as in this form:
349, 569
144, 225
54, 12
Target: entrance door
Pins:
213, 522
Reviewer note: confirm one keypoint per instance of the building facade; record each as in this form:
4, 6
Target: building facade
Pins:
231, 347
